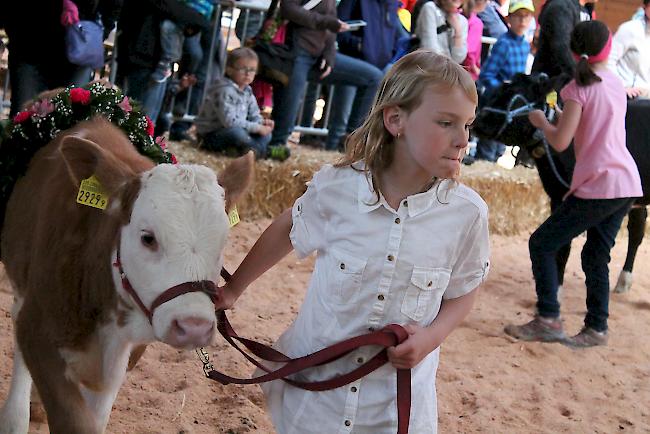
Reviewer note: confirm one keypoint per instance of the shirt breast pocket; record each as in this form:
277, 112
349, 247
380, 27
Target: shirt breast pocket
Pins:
346, 272
424, 291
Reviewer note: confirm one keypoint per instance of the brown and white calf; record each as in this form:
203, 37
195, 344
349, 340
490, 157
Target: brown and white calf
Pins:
75, 323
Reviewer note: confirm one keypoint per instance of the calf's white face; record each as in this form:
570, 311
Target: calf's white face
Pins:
176, 234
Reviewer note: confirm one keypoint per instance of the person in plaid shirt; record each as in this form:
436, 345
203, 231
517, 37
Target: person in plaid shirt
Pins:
507, 58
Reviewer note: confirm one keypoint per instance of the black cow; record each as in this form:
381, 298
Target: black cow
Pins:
504, 117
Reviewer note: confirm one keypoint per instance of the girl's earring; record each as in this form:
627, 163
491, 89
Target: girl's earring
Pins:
397, 136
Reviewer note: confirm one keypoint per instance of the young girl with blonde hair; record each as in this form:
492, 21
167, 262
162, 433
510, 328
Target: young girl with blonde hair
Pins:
398, 240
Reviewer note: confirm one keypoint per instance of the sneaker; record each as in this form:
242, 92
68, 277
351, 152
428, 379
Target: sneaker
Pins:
539, 329
312, 141
587, 337
279, 153
179, 136
162, 72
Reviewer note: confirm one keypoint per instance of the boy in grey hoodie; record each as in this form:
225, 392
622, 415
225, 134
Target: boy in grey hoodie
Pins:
229, 119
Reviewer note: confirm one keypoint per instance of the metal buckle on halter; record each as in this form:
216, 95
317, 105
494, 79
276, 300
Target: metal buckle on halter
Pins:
204, 357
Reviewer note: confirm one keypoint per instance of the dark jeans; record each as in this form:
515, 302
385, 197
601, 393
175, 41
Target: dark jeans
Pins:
28, 80
174, 45
238, 138
601, 218
489, 150
149, 93
347, 71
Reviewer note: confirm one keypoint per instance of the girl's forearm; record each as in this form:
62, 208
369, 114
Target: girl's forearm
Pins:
273, 245
452, 312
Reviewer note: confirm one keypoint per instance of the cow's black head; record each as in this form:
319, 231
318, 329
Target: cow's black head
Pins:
503, 112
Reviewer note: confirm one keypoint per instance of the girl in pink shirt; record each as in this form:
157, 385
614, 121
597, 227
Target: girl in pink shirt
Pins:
605, 181
472, 62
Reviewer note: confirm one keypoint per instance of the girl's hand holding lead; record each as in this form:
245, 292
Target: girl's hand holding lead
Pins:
226, 297
416, 347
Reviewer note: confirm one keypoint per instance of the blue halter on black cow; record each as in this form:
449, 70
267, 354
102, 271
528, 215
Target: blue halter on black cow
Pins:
503, 116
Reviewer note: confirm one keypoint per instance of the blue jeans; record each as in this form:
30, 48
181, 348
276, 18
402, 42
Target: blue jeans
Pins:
347, 71
29, 80
601, 218
149, 93
238, 138
344, 103
171, 41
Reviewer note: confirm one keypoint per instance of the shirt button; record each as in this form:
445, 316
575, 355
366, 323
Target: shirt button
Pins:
353, 389
342, 266
406, 203
371, 329
397, 221
360, 360
348, 423
430, 283
380, 297
390, 258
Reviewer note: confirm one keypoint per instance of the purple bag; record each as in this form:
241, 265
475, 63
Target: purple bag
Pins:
84, 44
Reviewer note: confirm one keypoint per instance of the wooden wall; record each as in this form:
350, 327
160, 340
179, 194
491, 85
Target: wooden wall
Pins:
612, 12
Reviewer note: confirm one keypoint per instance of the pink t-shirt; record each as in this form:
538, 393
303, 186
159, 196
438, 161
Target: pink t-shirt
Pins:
474, 44
604, 167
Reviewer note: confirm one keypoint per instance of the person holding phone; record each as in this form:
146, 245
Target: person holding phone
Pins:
313, 40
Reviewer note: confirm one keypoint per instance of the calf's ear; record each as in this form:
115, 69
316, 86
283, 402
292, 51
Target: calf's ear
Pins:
236, 178
84, 158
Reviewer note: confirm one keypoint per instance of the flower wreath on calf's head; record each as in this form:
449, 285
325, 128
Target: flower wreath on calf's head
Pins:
35, 127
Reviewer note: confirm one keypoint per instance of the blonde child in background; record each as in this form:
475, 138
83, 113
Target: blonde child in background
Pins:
398, 240
229, 119
604, 180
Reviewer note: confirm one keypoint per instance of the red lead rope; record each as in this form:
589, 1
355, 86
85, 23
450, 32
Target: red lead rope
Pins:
389, 336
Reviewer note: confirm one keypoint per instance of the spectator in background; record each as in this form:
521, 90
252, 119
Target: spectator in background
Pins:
556, 21
139, 46
630, 56
230, 119
313, 41
441, 27
37, 59
494, 24
175, 40
373, 43
250, 20
472, 61
507, 58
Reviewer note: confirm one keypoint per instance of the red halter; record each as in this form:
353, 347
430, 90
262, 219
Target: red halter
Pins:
205, 286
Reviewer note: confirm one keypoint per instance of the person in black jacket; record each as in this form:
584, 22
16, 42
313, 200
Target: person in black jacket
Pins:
556, 21
139, 50
37, 60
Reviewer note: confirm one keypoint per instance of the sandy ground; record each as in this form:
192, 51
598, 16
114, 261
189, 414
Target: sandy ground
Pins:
486, 382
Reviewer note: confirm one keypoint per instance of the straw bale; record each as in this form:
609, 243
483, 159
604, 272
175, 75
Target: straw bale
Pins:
515, 197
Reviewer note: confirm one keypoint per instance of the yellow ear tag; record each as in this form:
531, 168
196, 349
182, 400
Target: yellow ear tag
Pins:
233, 216
91, 193
551, 99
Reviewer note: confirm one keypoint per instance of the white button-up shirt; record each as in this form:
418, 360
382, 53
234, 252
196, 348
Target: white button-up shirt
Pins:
374, 266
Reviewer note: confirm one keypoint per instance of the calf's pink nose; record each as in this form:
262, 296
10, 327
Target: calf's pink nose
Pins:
192, 331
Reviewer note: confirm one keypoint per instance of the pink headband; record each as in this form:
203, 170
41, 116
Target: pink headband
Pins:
604, 53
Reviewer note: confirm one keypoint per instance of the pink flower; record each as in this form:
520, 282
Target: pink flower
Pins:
125, 105
174, 160
80, 95
23, 116
43, 108
160, 140
149, 125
